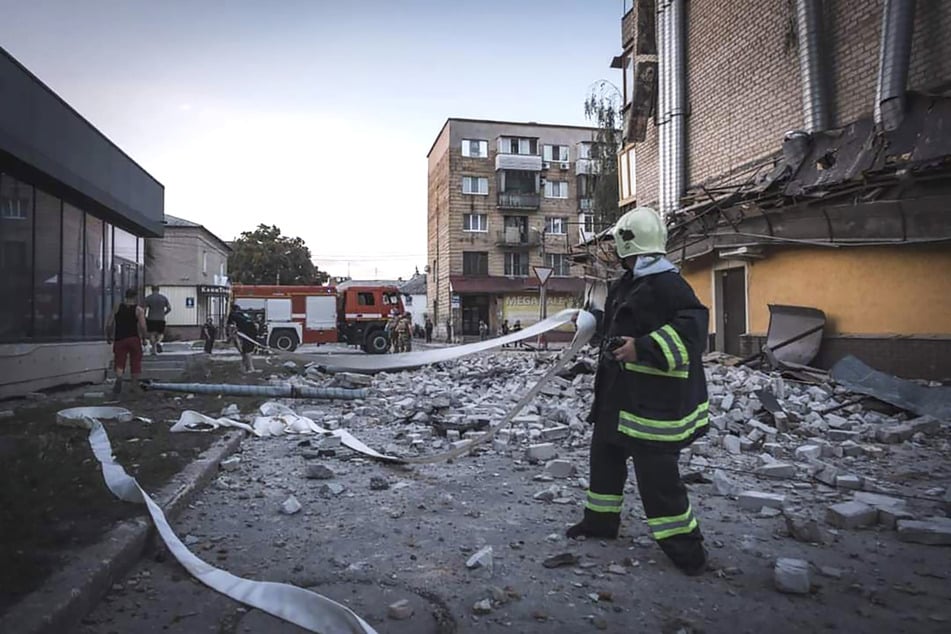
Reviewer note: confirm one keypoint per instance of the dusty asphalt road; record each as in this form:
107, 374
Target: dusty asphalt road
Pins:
369, 548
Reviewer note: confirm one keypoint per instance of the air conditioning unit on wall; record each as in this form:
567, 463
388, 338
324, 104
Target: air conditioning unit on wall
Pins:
564, 165
546, 165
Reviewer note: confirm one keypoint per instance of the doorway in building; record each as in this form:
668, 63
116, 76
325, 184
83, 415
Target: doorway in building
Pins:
475, 308
731, 309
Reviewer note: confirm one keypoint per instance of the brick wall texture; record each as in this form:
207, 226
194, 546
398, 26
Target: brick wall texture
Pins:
743, 82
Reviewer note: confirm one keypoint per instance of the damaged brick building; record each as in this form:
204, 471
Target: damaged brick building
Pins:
801, 152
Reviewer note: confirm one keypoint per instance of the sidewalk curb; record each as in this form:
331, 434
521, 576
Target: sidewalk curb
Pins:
69, 594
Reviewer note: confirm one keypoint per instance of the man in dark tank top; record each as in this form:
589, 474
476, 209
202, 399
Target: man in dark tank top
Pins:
126, 330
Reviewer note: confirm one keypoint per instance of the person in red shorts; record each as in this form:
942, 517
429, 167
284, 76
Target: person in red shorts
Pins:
126, 330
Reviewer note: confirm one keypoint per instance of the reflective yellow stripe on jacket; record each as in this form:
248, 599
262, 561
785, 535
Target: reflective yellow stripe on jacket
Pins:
663, 430
672, 346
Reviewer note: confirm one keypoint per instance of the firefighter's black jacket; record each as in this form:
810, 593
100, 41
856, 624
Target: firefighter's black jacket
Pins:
661, 399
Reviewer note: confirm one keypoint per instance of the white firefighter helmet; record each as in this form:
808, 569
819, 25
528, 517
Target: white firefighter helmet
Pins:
640, 231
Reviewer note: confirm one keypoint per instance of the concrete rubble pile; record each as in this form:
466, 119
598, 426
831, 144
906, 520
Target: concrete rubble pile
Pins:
815, 457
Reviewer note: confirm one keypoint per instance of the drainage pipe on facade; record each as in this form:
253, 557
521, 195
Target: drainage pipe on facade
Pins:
815, 104
898, 23
672, 104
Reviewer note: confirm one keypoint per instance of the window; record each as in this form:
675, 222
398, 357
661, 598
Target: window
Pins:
556, 189
73, 256
365, 299
475, 185
557, 226
204, 262
475, 263
516, 264
16, 257
518, 145
588, 222
556, 153
46, 319
559, 264
475, 148
584, 150
475, 222
392, 299
94, 320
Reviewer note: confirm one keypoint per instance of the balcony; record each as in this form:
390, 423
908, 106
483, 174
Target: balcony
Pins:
524, 162
516, 237
587, 166
519, 200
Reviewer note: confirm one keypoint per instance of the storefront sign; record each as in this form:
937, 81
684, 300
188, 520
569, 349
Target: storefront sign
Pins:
213, 290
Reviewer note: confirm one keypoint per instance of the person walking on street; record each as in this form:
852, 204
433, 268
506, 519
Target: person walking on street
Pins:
483, 330
516, 327
650, 394
448, 329
429, 329
243, 325
125, 330
157, 308
504, 330
209, 333
390, 330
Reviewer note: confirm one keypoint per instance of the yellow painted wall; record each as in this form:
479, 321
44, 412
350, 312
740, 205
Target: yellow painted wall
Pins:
862, 290
698, 276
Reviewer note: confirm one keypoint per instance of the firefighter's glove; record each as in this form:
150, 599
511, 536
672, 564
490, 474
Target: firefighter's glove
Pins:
622, 349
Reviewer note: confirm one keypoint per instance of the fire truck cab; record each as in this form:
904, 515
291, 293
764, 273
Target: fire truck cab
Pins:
294, 315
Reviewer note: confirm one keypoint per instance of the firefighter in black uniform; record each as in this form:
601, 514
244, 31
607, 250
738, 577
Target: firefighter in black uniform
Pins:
650, 393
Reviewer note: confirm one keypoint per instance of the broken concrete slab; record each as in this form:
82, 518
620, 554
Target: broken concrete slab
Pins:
330, 489
933, 531
560, 469
559, 432
851, 515
849, 481
777, 470
894, 434
723, 484
481, 559
925, 425
732, 444
791, 576
804, 529
541, 452
290, 505
319, 472
755, 500
400, 610
808, 452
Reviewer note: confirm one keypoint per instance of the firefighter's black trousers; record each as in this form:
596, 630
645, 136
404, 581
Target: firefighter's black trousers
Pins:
669, 516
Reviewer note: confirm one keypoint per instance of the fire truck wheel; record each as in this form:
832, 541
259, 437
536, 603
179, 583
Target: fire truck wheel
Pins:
376, 342
284, 339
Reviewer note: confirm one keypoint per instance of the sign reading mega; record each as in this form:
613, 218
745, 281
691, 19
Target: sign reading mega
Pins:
525, 308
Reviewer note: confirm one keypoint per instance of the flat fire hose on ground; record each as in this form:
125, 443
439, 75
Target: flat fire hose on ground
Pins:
301, 607
307, 609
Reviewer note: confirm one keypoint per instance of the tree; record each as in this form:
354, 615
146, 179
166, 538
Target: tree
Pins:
601, 108
264, 256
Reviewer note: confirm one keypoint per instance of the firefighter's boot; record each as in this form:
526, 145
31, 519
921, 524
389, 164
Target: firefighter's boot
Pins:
596, 525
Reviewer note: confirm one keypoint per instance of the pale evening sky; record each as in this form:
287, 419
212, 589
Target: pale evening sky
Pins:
314, 115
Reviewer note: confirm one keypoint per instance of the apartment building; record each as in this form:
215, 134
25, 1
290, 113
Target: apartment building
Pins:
504, 198
801, 152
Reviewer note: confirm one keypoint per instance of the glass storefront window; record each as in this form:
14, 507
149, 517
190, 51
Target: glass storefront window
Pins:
94, 322
61, 269
125, 255
16, 258
73, 260
46, 272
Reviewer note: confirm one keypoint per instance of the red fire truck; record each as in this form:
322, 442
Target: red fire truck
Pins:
321, 314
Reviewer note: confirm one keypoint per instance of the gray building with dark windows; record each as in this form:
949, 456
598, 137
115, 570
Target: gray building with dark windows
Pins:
74, 212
